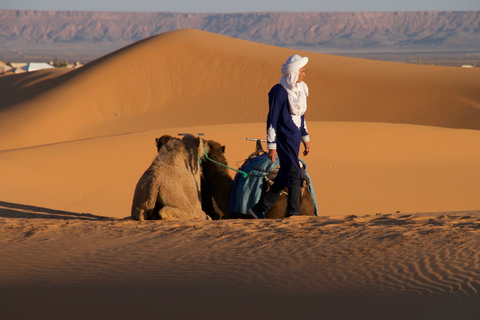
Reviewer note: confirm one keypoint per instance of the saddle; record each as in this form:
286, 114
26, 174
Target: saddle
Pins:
246, 192
270, 177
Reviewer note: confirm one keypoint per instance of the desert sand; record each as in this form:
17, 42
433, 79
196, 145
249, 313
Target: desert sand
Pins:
395, 165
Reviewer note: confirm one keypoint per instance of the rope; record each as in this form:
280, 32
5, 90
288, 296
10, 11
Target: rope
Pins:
205, 156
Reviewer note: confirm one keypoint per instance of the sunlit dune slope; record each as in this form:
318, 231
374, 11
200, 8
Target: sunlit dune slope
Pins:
356, 168
190, 77
386, 137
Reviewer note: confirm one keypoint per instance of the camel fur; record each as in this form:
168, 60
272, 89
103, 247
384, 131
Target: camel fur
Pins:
159, 142
216, 182
171, 185
215, 151
279, 209
218, 186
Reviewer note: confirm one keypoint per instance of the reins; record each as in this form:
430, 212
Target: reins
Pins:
206, 157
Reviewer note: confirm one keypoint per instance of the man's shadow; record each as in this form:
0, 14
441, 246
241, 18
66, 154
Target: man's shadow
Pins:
15, 210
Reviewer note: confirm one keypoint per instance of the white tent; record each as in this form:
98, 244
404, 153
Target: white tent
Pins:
34, 66
4, 68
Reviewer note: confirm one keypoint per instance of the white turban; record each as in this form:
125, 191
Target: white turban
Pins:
293, 64
297, 92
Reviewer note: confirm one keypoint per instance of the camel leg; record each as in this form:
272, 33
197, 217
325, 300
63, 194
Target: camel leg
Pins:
307, 208
201, 215
169, 213
196, 206
138, 214
144, 199
179, 206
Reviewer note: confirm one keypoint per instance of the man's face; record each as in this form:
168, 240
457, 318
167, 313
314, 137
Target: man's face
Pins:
301, 74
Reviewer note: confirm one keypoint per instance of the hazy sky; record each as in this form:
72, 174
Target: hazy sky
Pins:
226, 6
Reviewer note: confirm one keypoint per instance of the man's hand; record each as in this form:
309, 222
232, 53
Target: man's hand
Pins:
307, 148
272, 154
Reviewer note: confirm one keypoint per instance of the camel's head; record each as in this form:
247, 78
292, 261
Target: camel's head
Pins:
159, 142
216, 151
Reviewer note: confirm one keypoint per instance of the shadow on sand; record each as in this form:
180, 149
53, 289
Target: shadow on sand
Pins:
15, 210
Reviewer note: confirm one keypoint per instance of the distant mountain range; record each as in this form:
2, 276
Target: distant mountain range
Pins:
23, 32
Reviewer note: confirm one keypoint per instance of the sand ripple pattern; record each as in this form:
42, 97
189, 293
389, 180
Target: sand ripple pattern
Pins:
417, 259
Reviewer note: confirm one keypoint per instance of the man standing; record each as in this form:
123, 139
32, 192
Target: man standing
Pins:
286, 128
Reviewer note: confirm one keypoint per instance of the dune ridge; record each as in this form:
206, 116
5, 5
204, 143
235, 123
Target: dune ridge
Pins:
160, 82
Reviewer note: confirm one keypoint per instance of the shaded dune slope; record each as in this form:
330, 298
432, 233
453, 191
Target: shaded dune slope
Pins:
190, 77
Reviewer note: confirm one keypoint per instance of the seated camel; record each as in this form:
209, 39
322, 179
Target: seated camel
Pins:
216, 182
216, 185
217, 188
171, 185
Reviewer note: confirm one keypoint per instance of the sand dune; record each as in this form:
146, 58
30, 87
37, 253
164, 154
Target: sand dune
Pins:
357, 168
391, 144
186, 78
358, 267
66, 128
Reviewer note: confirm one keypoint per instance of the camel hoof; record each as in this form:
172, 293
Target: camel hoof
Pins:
138, 215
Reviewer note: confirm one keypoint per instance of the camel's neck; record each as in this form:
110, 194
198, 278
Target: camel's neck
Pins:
221, 184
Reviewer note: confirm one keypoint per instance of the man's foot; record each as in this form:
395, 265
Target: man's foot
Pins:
256, 215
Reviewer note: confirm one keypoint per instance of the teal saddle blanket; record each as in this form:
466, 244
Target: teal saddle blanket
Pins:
246, 192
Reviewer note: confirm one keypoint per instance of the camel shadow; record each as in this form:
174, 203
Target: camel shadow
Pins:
15, 210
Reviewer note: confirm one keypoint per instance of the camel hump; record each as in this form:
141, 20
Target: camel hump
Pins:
169, 188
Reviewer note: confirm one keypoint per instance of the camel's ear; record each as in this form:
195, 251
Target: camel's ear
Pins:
197, 142
223, 149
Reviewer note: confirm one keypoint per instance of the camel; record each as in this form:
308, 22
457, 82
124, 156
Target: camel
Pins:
215, 152
218, 185
279, 209
171, 185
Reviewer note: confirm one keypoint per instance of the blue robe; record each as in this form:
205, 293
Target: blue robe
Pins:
283, 134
